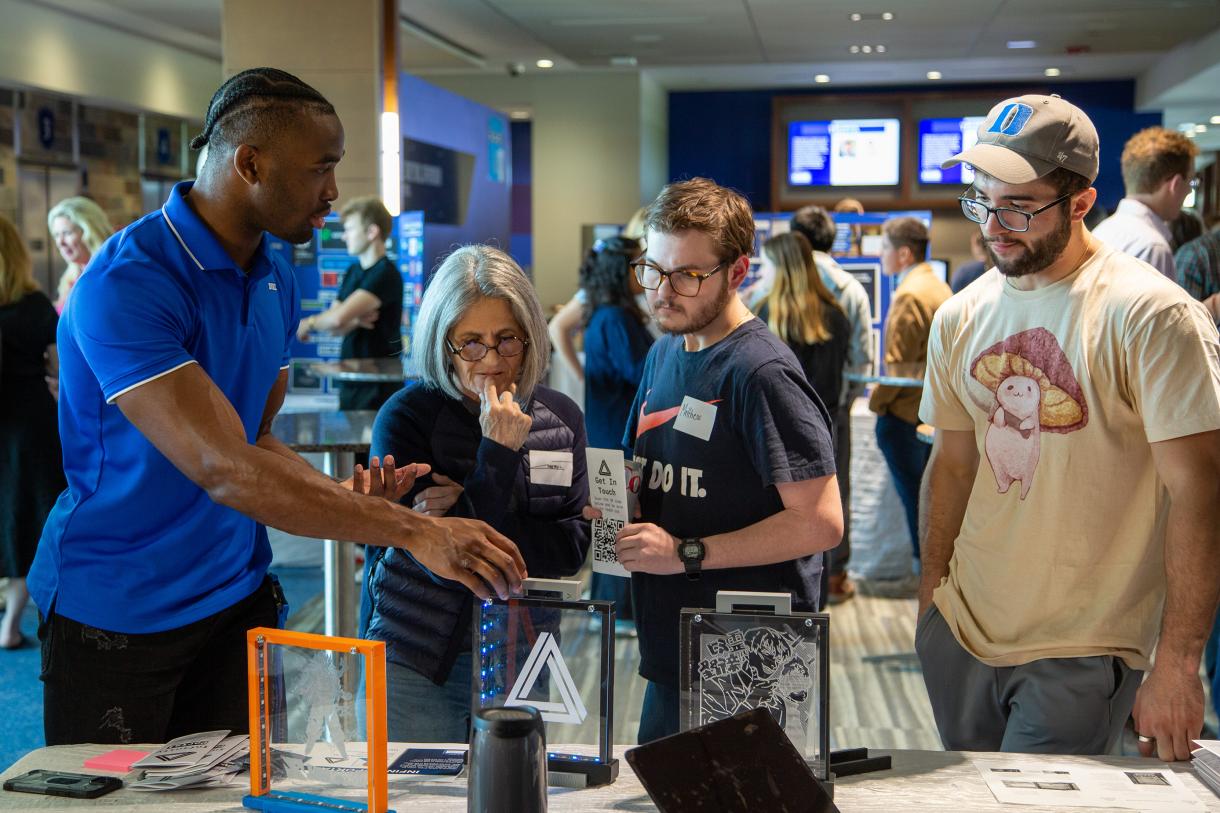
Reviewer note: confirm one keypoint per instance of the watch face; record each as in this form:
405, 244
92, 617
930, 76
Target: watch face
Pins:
690, 550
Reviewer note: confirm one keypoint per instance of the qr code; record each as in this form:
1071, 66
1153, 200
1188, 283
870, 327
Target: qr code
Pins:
604, 532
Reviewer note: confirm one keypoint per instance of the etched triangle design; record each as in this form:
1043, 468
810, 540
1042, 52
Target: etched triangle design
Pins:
544, 655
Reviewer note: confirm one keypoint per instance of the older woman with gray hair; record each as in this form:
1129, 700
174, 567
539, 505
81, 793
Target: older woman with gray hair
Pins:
502, 448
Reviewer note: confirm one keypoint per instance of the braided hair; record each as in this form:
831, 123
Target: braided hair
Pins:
605, 274
253, 103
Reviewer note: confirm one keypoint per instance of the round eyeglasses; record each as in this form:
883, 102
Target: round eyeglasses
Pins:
474, 350
683, 283
1010, 219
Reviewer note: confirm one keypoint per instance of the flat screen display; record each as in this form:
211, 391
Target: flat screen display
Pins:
843, 152
940, 140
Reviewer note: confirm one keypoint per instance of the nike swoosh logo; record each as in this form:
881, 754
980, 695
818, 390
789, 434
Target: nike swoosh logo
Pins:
652, 420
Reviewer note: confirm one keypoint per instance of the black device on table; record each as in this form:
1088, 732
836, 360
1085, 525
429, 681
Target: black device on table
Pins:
743, 762
62, 783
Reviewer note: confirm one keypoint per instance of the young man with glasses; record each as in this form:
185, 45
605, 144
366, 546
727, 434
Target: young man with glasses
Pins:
1069, 508
739, 489
1158, 173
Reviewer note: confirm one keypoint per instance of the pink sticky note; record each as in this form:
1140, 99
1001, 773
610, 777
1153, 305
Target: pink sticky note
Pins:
119, 760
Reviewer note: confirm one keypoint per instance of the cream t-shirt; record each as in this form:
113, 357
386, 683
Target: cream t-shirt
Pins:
1060, 552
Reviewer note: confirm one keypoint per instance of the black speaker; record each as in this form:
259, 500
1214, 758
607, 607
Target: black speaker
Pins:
742, 763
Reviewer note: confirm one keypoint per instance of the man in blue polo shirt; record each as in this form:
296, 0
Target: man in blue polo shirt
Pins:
153, 563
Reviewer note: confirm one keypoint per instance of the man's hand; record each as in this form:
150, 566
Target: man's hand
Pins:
927, 584
384, 480
369, 320
646, 548
501, 418
304, 328
473, 553
435, 501
1169, 708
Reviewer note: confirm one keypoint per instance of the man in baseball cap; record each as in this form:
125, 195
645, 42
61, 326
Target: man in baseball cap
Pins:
1086, 387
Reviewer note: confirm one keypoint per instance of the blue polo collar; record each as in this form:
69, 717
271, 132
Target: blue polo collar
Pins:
205, 251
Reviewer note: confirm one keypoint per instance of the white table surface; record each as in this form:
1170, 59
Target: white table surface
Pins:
919, 781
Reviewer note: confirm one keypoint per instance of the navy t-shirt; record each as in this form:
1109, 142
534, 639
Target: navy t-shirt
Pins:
769, 427
616, 345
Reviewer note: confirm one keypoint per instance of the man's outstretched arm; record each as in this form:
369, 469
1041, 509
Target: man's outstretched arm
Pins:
189, 420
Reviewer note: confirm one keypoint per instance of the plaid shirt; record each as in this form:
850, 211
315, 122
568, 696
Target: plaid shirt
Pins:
1198, 266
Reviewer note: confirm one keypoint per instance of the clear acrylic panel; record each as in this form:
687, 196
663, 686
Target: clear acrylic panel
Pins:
305, 743
734, 662
557, 656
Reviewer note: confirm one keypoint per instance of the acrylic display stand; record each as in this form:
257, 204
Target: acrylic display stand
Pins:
550, 650
303, 723
751, 652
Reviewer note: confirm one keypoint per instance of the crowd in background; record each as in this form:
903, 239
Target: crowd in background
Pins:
644, 310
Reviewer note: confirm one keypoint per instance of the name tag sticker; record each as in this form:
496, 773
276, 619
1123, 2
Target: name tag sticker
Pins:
696, 418
551, 468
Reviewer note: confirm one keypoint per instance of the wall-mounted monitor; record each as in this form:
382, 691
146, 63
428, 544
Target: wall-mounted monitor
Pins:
940, 140
843, 152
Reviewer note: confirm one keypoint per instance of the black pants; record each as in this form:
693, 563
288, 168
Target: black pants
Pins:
365, 396
108, 687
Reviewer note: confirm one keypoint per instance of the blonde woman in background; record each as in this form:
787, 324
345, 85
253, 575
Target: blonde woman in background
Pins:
30, 458
79, 227
802, 312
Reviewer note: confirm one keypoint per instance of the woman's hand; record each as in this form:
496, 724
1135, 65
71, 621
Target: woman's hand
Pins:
502, 419
384, 480
50, 360
435, 501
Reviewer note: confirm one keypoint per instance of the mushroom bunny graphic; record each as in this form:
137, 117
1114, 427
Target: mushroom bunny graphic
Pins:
1031, 390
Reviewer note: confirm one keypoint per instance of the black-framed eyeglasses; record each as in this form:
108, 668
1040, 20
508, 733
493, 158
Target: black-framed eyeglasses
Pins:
684, 283
474, 350
1011, 219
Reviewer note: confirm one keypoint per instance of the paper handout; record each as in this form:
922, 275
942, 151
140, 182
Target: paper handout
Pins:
608, 490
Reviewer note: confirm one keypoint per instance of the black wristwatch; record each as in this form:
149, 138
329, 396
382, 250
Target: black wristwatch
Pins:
691, 552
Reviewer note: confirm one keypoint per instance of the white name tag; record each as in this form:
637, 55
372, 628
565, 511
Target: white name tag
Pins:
696, 418
551, 468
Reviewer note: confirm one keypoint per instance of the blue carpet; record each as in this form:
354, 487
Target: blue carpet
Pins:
21, 694
21, 691
300, 584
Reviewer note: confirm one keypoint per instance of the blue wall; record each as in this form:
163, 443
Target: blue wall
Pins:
522, 245
436, 116
726, 135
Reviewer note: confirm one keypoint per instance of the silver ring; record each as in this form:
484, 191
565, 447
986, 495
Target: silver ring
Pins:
1142, 738
466, 565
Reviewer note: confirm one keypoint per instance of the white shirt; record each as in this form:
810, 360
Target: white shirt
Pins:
1136, 230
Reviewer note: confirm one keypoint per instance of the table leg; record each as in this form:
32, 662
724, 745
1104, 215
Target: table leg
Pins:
339, 563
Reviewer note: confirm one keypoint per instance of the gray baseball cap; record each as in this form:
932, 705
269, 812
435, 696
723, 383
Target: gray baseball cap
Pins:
1027, 137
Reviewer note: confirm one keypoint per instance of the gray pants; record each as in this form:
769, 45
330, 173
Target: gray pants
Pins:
1048, 706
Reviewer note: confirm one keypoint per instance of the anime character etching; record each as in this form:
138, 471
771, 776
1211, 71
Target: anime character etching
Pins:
1031, 389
